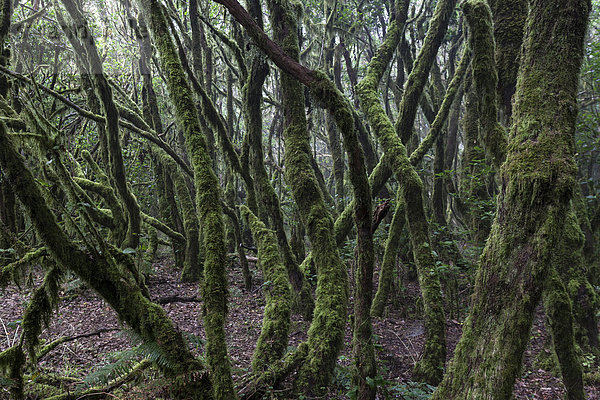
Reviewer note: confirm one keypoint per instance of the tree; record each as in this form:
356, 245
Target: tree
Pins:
538, 180
125, 127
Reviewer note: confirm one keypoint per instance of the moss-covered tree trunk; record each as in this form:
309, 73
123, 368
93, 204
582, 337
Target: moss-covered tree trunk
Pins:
252, 92
325, 336
474, 175
214, 291
509, 21
430, 367
192, 264
335, 148
538, 179
110, 279
485, 79
557, 306
388, 265
574, 272
104, 93
273, 338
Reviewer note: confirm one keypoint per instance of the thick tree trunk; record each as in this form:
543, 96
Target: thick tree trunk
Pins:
538, 179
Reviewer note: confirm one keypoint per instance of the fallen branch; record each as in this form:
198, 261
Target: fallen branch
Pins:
177, 299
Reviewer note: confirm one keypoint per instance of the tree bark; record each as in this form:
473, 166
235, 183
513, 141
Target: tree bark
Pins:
538, 179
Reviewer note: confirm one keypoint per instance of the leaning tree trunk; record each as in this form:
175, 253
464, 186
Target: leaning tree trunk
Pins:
538, 179
111, 115
112, 282
430, 367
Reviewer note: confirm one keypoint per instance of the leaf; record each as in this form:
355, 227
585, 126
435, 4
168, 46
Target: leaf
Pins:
128, 250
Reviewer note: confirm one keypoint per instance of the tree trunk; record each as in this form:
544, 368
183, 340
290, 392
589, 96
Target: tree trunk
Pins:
538, 179
208, 200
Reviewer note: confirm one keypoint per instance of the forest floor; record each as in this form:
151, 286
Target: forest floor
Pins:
91, 360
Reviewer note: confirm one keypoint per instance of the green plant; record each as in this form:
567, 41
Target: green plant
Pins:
411, 391
11, 338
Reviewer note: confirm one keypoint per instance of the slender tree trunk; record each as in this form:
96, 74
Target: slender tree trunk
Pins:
117, 287
509, 22
273, 338
430, 367
208, 200
111, 115
252, 92
327, 330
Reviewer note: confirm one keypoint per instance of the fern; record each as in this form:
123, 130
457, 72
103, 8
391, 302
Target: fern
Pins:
124, 361
6, 383
194, 340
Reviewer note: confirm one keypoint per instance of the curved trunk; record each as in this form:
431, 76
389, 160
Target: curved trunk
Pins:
273, 338
326, 333
430, 367
115, 283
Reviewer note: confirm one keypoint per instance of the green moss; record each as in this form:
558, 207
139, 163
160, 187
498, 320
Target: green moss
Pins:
273, 339
574, 272
39, 309
485, 77
12, 361
103, 92
537, 183
103, 189
440, 119
113, 281
430, 367
388, 265
417, 79
325, 336
176, 236
13, 271
252, 92
558, 310
509, 23
214, 290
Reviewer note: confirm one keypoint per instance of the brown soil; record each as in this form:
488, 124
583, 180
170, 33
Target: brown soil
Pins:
399, 338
